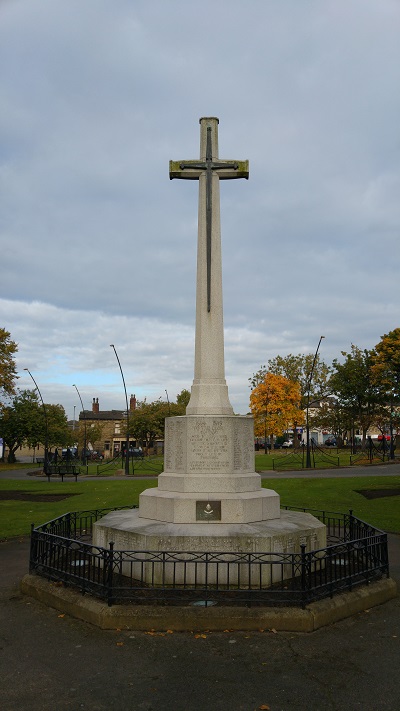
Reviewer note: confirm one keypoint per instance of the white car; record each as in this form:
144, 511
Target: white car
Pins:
288, 444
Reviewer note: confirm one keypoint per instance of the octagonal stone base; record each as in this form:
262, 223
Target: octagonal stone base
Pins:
174, 507
130, 532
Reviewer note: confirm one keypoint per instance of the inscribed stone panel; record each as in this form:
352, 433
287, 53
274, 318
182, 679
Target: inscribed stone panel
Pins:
208, 445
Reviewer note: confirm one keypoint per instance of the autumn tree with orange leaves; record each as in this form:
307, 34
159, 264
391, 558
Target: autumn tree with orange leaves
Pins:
8, 370
386, 365
275, 405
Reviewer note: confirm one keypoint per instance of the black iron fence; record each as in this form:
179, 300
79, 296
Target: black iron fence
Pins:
356, 554
298, 458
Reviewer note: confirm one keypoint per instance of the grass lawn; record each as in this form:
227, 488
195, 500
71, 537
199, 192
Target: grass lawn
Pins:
341, 495
338, 495
286, 459
17, 515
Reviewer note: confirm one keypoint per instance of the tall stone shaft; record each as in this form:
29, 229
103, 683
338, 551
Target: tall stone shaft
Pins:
209, 393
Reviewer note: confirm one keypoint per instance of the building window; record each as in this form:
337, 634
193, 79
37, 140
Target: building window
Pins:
117, 429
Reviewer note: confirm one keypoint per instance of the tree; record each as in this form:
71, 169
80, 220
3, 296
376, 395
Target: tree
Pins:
274, 403
183, 399
8, 371
297, 369
58, 432
21, 422
357, 388
146, 423
94, 434
386, 365
331, 415
386, 370
24, 422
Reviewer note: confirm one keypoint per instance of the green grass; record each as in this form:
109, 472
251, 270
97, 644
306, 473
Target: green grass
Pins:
341, 495
328, 460
284, 460
325, 494
16, 516
5, 466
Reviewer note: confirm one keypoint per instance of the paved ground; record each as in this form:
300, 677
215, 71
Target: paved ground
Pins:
52, 662
387, 469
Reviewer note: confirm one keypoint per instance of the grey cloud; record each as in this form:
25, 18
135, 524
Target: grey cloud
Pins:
96, 242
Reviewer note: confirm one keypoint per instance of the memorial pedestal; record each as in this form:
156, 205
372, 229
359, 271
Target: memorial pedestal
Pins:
209, 499
209, 474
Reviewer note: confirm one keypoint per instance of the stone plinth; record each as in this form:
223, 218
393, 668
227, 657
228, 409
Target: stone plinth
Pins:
209, 474
129, 531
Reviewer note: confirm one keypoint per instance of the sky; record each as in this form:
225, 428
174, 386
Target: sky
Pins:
98, 246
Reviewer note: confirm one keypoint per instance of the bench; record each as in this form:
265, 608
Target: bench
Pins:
39, 460
62, 470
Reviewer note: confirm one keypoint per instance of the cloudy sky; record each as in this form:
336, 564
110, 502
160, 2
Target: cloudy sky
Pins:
98, 246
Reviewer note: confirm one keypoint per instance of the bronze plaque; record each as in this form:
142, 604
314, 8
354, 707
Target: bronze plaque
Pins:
208, 510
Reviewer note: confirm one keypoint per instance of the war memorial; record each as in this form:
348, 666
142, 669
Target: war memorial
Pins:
209, 497
209, 535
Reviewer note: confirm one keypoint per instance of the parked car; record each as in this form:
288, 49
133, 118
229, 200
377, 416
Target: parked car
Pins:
330, 442
69, 453
95, 455
289, 443
136, 452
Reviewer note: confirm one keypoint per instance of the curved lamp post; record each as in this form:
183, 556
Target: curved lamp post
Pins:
84, 458
46, 424
308, 454
127, 412
169, 406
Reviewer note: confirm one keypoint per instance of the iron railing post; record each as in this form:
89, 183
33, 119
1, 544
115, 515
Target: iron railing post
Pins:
32, 550
384, 554
351, 525
110, 567
305, 581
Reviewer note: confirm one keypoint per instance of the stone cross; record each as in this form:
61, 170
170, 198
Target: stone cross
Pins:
193, 170
209, 390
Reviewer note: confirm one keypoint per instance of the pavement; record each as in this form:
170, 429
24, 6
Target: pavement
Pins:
51, 662
387, 469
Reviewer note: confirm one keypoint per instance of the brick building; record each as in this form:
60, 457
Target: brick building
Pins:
112, 423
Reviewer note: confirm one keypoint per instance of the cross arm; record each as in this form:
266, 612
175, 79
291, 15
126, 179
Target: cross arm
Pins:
192, 170
236, 169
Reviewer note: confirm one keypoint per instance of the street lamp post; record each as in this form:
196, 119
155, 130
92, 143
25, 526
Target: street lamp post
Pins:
169, 406
308, 454
84, 458
46, 424
127, 413
265, 433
